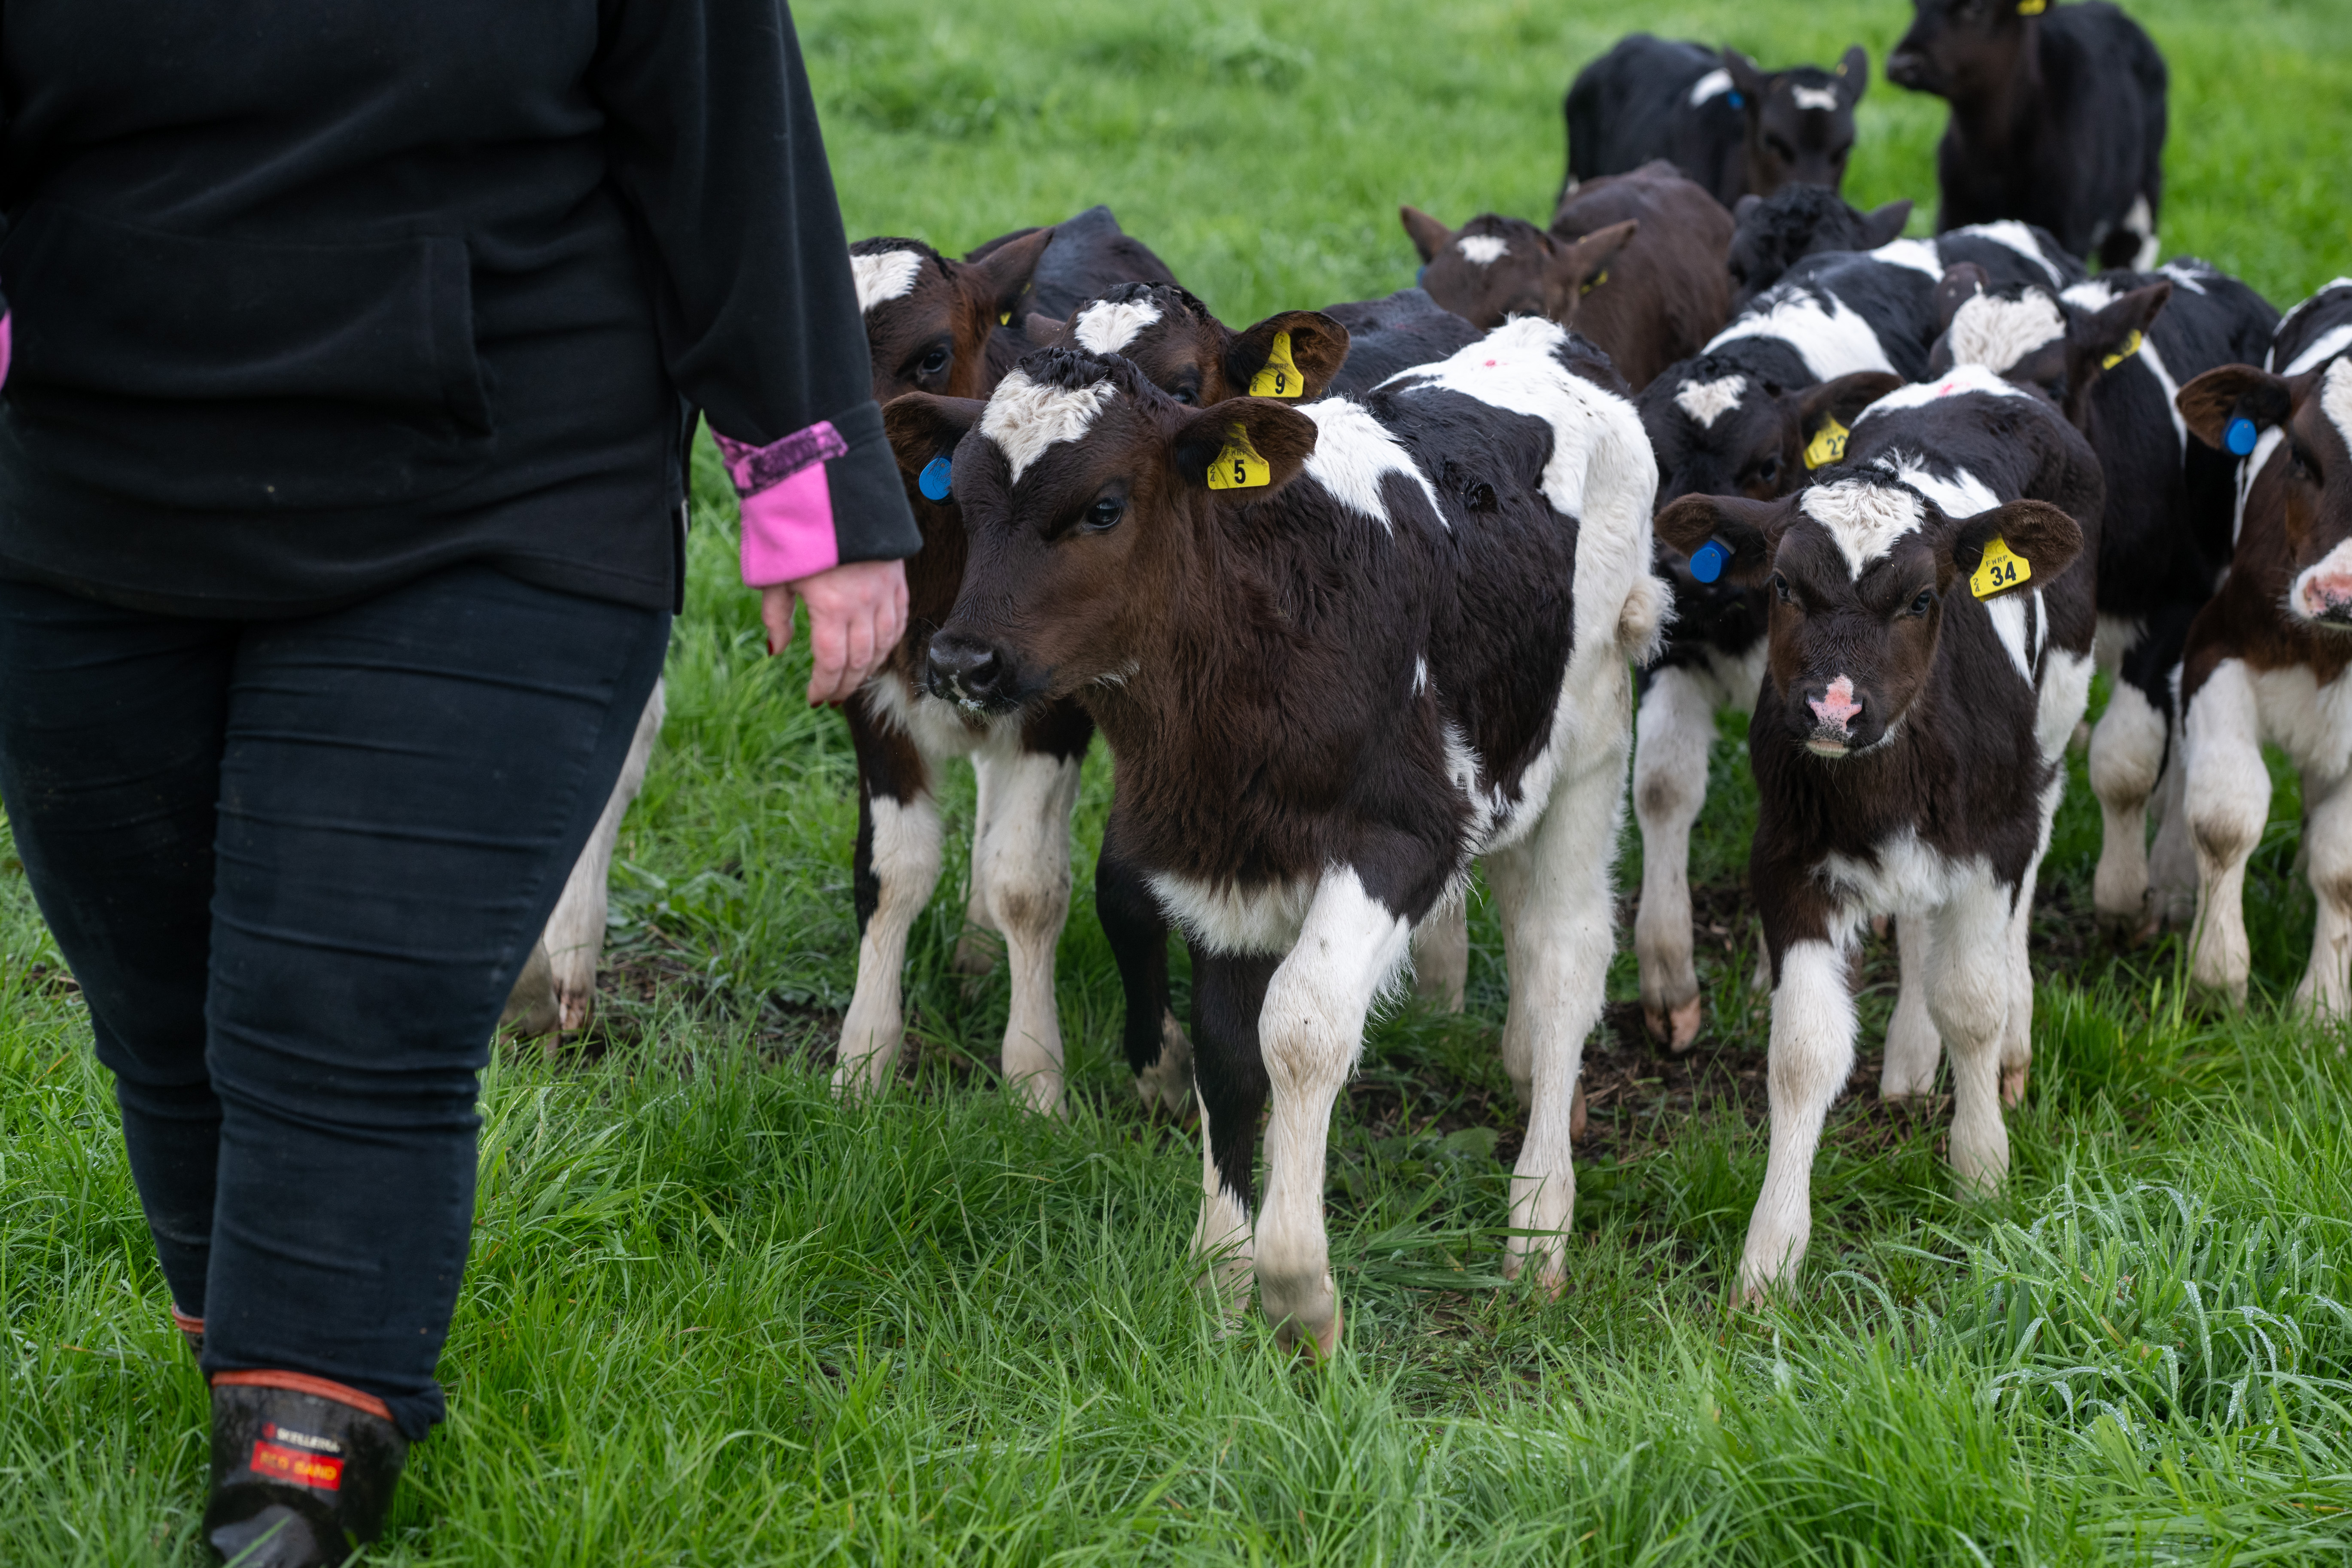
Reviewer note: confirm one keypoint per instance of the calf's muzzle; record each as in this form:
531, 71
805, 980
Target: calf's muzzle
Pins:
969, 670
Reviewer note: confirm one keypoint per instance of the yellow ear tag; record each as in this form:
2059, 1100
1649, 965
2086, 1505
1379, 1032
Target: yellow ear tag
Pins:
2002, 568
1279, 377
1595, 282
1004, 319
1238, 466
1829, 447
2131, 347
2032, 7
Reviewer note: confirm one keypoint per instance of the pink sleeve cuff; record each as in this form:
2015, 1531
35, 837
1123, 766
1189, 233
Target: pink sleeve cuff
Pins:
7, 340
788, 532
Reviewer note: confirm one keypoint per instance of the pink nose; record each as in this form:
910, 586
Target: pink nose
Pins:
2331, 593
1837, 706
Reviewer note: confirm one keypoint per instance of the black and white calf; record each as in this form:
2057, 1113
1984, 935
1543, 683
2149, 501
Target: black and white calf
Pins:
2113, 353
2265, 661
1771, 234
1928, 653
1340, 650
1754, 415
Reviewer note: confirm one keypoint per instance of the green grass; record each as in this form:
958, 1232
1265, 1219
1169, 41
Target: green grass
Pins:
715, 1316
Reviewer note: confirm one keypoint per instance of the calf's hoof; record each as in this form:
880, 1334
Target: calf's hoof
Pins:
1576, 1116
1317, 1343
532, 1007
1305, 1313
2012, 1084
1167, 1084
1676, 1028
976, 952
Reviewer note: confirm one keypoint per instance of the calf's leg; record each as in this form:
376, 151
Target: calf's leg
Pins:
1228, 997
2126, 755
1811, 1055
1969, 989
1673, 732
1157, 1052
1025, 860
1913, 1048
897, 868
977, 946
2327, 988
2228, 800
1441, 955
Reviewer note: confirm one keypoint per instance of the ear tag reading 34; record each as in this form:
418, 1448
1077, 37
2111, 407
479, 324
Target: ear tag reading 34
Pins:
2001, 568
935, 476
1279, 377
2240, 435
1828, 446
2131, 347
1238, 466
1708, 559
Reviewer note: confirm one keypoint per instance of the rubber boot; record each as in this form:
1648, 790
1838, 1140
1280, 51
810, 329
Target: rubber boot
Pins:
190, 1330
303, 1469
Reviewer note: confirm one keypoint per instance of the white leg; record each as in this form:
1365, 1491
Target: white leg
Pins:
1913, 1047
2017, 1025
531, 1009
1671, 735
1025, 867
2327, 988
906, 866
575, 932
1441, 955
977, 946
1223, 1233
2172, 861
1812, 1057
2127, 751
1310, 1030
2228, 800
1970, 988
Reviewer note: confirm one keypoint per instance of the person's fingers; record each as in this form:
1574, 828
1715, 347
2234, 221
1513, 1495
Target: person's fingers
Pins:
862, 640
898, 612
776, 616
828, 641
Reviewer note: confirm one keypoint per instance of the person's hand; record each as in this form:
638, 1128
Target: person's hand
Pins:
857, 613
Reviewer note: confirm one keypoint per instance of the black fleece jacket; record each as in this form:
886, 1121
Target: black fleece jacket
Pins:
309, 297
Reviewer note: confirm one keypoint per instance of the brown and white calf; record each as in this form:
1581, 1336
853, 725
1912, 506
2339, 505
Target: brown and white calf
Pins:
2265, 661
1632, 261
1928, 653
1340, 650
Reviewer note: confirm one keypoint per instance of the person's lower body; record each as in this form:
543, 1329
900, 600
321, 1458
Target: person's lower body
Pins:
295, 865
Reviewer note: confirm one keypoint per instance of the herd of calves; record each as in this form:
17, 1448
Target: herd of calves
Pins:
1363, 596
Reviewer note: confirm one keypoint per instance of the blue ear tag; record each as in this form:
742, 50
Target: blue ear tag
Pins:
1421, 276
934, 482
2240, 436
1738, 99
1709, 561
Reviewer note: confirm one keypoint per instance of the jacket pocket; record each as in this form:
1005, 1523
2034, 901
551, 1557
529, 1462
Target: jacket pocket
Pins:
229, 374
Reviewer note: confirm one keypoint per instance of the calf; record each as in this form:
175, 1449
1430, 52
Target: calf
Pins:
1754, 415
1634, 262
1089, 254
2113, 353
1339, 650
1716, 115
1928, 653
1771, 234
2058, 118
2265, 659
1385, 336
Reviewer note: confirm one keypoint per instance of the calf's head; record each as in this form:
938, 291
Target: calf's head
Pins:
2057, 345
927, 318
1963, 49
1092, 502
1776, 232
1860, 571
1720, 427
1196, 359
1799, 120
1492, 268
2295, 433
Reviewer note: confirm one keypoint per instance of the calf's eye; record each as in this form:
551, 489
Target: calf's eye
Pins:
933, 362
1924, 603
1781, 588
1105, 514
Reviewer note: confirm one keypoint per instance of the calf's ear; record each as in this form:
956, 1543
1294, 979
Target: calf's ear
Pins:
1962, 282
923, 428
2229, 393
1883, 226
1292, 356
1002, 275
1744, 205
1040, 329
1744, 534
1750, 78
2098, 340
1576, 267
1854, 74
2046, 537
1429, 236
1825, 414
1244, 451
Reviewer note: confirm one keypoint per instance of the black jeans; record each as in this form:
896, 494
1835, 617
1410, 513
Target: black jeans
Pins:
296, 865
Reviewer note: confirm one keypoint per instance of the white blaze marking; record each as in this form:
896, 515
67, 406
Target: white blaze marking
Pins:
1961, 495
1485, 249
1864, 518
2336, 399
1708, 401
1829, 334
2328, 296
1960, 379
1814, 97
1026, 416
884, 277
1919, 254
1996, 334
2019, 238
1353, 451
1106, 328
2270, 442
1714, 84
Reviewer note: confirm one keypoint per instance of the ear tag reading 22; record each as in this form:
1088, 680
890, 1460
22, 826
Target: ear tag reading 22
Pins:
933, 481
2001, 568
1829, 447
1238, 466
2131, 347
1279, 377
2240, 436
1708, 559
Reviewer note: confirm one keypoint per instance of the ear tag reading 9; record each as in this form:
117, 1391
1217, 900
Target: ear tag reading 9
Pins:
2131, 347
1280, 376
934, 481
2000, 569
1708, 559
2240, 436
1828, 446
1238, 466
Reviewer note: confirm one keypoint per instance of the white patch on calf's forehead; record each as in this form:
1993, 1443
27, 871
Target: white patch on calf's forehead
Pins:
1708, 401
1106, 327
2336, 399
1864, 518
1960, 379
1996, 334
1829, 334
1962, 494
883, 278
1919, 254
2017, 236
1714, 84
1353, 451
1814, 97
2328, 344
1485, 249
1026, 416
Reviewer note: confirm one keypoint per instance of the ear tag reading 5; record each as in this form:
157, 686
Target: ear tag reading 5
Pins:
1709, 561
2240, 435
1829, 447
1280, 376
934, 480
2001, 568
1238, 466
2131, 347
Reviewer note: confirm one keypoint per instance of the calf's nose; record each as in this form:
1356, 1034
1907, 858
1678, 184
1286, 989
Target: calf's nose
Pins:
2328, 596
1836, 708
963, 668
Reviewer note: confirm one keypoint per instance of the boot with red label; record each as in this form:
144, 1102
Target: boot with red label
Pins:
303, 1469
